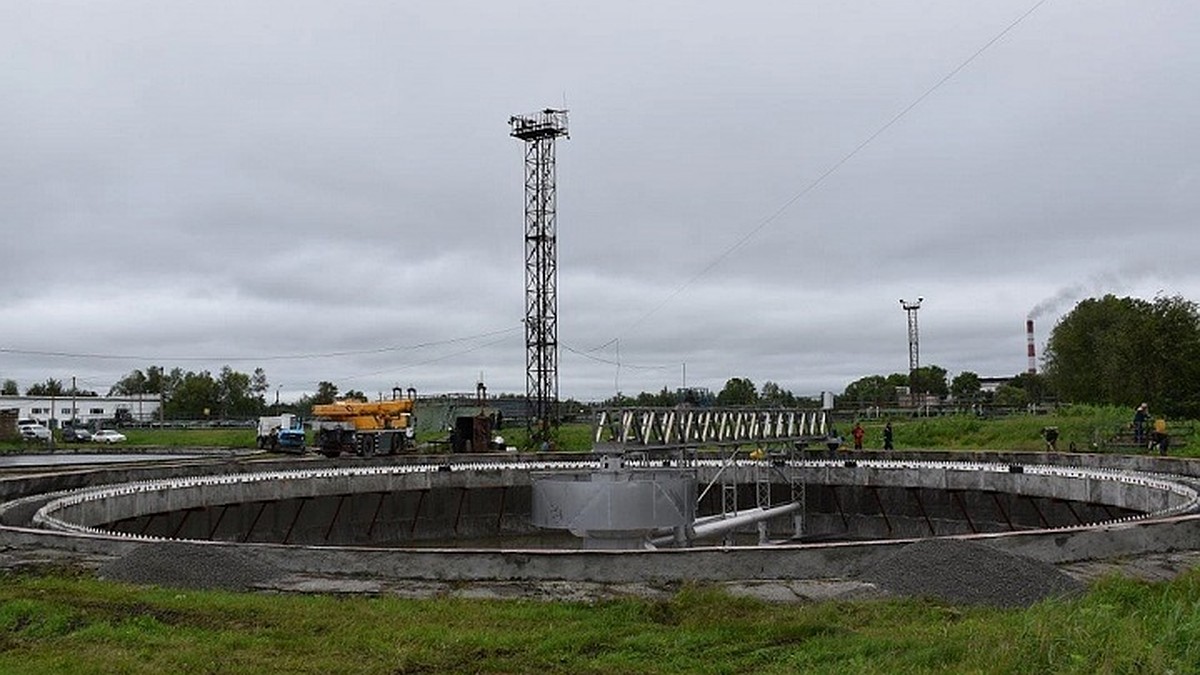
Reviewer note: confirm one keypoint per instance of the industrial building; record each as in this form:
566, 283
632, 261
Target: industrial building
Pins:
55, 411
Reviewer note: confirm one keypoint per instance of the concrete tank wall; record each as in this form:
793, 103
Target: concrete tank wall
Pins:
453, 506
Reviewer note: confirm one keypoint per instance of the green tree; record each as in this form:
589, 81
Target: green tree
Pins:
355, 395
870, 390
9, 388
1122, 351
663, 399
929, 380
196, 397
168, 383
1174, 356
619, 400
132, 384
774, 395
233, 392
1035, 386
326, 393
259, 385
1010, 397
1092, 353
153, 381
51, 387
738, 391
965, 386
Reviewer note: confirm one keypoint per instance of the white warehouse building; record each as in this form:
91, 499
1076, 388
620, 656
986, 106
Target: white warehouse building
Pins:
55, 411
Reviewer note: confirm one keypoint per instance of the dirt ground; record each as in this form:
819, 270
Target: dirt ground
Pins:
1151, 567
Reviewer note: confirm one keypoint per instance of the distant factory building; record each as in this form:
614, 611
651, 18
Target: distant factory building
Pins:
989, 385
55, 411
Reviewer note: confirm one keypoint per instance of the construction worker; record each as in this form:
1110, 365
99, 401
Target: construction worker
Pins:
1140, 416
1160, 439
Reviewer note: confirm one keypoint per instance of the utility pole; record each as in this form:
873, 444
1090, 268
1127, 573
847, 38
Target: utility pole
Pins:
539, 131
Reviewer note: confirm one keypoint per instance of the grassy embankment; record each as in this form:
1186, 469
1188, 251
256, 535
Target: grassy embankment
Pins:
1088, 428
60, 623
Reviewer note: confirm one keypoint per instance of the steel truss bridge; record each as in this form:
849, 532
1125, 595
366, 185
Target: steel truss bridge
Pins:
636, 430
678, 428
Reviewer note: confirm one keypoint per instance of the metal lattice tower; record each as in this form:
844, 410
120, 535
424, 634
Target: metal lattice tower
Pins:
914, 338
540, 131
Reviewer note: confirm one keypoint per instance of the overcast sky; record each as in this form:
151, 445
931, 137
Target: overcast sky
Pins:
329, 191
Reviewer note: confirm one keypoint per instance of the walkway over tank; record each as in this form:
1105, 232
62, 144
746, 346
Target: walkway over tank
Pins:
680, 427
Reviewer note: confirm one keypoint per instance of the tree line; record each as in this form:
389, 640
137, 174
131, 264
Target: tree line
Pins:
227, 395
51, 387
1127, 351
965, 388
737, 391
1105, 351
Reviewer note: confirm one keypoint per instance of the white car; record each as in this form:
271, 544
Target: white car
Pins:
33, 431
108, 436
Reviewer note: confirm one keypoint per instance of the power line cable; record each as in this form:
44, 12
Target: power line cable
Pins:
587, 354
773, 216
428, 361
260, 358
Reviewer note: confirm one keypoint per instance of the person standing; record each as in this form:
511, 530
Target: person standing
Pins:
887, 437
1051, 436
1140, 417
833, 442
858, 433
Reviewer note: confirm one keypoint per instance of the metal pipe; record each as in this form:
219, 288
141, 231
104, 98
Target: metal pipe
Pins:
715, 528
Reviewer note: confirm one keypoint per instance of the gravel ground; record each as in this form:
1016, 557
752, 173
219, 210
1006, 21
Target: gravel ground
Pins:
965, 572
937, 569
190, 566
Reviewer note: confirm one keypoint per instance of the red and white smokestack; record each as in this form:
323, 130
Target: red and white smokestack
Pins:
1030, 348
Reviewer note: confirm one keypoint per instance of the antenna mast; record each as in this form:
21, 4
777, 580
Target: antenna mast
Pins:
914, 338
539, 131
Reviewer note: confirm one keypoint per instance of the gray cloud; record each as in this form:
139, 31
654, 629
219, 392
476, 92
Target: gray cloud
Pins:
329, 192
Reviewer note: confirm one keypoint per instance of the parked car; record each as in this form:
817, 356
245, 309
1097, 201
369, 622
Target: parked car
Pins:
32, 431
76, 435
108, 436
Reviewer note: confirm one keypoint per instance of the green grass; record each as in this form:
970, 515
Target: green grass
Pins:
1081, 425
59, 623
141, 438
223, 438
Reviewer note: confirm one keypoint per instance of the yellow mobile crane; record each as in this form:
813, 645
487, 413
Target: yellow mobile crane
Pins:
366, 428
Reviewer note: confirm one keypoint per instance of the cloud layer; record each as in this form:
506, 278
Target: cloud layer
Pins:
329, 191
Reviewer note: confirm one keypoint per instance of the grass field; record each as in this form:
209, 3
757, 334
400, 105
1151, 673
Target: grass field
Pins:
57, 623
1087, 428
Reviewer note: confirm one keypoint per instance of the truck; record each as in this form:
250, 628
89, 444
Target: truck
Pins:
365, 428
284, 431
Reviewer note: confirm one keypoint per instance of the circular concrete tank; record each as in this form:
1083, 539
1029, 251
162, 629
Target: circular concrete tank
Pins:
400, 520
